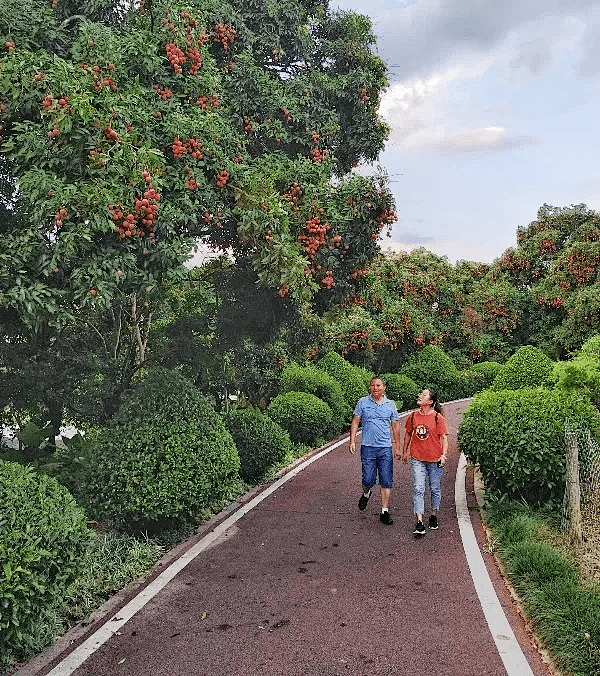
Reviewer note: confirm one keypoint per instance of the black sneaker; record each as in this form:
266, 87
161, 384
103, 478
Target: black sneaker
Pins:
386, 518
362, 503
419, 528
433, 524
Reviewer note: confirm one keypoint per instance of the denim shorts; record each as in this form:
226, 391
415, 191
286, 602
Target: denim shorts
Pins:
377, 460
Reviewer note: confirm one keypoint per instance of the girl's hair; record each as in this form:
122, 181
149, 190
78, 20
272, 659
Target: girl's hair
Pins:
435, 401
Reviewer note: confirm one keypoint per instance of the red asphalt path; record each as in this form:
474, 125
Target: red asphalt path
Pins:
305, 584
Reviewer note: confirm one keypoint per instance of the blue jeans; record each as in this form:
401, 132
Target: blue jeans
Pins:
422, 471
377, 460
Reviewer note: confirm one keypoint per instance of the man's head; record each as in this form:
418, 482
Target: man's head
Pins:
377, 388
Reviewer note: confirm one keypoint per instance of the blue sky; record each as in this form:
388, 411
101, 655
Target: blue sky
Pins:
493, 107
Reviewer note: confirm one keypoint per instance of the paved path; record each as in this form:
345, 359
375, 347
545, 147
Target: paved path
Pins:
305, 584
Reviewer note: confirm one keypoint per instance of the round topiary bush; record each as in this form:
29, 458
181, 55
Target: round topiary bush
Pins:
347, 375
528, 367
517, 439
165, 458
488, 370
402, 389
306, 417
43, 536
432, 367
260, 441
582, 372
311, 379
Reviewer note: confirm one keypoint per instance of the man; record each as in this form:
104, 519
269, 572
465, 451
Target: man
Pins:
376, 413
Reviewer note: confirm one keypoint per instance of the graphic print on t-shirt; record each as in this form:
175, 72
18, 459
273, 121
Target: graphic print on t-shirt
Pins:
422, 432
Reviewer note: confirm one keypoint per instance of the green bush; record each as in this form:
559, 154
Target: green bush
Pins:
472, 382
165, 458
350, 377
582, 372
306, 417
311, 379
517, 439
488, 369
260, 441
528, 367
43, 537
432, 367
402, 389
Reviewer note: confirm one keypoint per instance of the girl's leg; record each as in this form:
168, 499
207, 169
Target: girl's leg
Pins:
435, 474
419, 472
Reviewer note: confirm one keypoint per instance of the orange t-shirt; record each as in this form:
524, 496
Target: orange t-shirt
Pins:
426, 444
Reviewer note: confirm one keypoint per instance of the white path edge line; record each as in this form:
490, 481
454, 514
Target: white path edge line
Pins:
510, 651
76, 658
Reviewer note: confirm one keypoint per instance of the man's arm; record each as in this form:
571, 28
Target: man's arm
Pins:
353, 430
397, 440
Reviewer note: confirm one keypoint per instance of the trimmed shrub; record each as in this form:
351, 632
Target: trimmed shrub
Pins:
517, 439
43, 537
402, 389
260, 441
488, 370
306, 417
165, 457
472, 382
311, 379
582, 372
432, 367
348, 376
528, 367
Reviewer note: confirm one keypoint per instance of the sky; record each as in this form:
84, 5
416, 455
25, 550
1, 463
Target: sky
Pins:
493, 106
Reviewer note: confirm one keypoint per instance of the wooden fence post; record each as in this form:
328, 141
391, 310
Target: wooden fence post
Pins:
573, 489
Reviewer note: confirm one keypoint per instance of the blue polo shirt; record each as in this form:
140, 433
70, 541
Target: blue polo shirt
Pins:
375, 420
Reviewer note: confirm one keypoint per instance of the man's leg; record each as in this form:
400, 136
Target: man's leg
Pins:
385, 466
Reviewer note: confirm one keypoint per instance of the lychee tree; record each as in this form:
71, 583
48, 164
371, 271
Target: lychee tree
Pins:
130, 133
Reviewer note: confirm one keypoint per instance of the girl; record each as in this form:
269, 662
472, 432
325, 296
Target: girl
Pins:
426, 441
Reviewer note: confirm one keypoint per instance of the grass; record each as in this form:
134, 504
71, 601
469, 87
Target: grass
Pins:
564, 608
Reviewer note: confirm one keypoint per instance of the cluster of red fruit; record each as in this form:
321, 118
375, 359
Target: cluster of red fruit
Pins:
581, 267
193, 146
204, 102
328, 281
223, 34
364, 95
222, 178
61, 103
358, 273
176, 56
60, 216
39, 76
248, 123
111, 134
387, 217
286, 115
141, 220
283, 292
54, 132
293, 195
10, 45
165, 94
316, 236
318, 155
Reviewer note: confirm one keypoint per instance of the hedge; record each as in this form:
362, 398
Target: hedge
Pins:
165, 457
260, 441
517, 439
306, 417
43, 537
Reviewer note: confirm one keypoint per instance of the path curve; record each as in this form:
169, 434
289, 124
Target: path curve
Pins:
293, 580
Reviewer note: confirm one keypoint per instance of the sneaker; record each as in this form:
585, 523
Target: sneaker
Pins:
362, 503
433, 524
386, 518
419, 528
